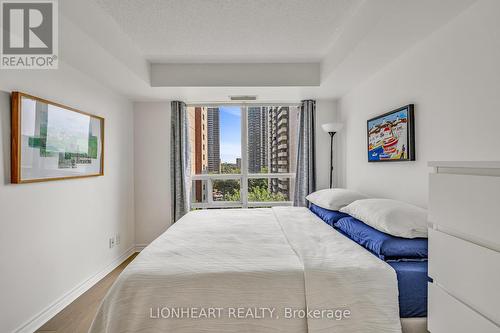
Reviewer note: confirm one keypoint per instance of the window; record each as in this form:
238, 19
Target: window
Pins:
242, 156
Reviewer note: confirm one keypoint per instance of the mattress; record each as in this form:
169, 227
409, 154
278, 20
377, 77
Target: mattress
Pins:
278, 259
412, 284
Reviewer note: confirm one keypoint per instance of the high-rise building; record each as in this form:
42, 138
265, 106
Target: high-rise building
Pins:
258, 143
213, 140
282, 121
192, 136
199, 152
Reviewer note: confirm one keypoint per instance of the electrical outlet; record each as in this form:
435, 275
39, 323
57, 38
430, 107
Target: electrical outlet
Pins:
117, 239
111, 242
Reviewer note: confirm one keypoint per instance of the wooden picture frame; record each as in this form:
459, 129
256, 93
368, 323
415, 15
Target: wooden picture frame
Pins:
51, 141
399, 143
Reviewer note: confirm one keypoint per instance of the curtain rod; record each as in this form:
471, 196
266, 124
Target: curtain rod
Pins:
214, 104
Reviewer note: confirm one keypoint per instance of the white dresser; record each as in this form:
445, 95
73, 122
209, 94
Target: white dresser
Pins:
464, 247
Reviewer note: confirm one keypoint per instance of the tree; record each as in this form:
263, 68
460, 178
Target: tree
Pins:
258, 190
226, 187
260, 194
235, 196
229, 168
258, 182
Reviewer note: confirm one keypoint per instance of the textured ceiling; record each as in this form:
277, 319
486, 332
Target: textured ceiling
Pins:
231, 30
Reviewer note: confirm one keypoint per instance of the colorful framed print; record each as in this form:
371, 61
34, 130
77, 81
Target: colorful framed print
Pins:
51, 141
391, 136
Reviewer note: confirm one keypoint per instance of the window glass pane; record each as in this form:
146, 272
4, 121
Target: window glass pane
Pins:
226, 190
263, 189
215, 139
230, 139
199, 191
272, 139
216, 148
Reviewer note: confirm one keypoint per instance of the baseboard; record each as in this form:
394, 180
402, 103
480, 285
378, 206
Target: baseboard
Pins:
49, 312
140, 247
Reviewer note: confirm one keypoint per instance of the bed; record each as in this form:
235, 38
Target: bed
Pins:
412, 286
277, 269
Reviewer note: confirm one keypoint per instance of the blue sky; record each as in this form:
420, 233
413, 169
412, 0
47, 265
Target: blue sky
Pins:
392, 117
230, 133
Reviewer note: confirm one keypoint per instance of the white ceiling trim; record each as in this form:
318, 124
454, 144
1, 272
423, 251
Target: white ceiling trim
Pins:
235, 75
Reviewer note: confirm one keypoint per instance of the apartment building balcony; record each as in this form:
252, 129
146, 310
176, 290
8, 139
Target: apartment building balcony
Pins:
283, 186
283, 129
282, 138
283, 114
282, 122
282, 154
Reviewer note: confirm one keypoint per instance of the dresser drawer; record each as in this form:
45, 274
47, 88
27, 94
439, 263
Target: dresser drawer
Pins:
448, 315
469, 272
467, 205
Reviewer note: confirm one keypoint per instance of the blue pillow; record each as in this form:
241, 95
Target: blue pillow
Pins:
383, 245
329, 216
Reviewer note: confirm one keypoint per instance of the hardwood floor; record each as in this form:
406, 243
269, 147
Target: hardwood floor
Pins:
77, 317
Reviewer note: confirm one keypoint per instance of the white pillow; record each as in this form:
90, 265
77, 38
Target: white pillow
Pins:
390, 216
334, 198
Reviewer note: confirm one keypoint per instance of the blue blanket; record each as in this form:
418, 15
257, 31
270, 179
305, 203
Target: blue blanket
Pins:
383, 245
412, 285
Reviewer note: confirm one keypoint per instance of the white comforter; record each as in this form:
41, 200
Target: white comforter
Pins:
251, 271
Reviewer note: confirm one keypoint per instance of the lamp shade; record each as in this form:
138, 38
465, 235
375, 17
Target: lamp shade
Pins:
332, 127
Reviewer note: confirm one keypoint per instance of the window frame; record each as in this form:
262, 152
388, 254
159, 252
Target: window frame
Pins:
244, 176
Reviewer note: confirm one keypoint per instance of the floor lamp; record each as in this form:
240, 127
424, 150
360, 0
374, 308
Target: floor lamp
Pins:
331, 128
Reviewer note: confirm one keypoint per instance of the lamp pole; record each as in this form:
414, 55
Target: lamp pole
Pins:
331, 158
332, 129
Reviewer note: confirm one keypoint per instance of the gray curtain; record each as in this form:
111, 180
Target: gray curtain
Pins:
305, 178
180, 164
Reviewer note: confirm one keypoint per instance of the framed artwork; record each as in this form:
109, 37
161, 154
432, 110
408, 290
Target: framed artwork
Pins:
51, 141
391, 136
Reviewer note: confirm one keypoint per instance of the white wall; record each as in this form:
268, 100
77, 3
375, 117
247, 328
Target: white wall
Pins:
152, 170
453, 77
54, 235
326, 112
152, 164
